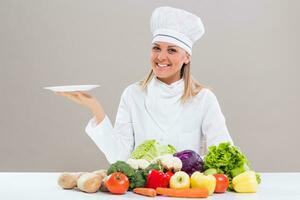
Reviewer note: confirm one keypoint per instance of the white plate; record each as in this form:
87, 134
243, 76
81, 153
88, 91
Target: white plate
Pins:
71, 88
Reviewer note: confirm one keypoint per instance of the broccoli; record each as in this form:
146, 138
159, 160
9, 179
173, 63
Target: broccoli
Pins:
121, 166
138, 180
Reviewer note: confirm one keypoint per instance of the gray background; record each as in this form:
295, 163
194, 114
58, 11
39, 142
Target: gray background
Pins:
249, 56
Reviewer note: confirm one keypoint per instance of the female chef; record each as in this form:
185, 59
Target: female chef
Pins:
168, 105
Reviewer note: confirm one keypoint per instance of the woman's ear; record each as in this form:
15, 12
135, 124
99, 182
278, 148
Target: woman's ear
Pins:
187, 58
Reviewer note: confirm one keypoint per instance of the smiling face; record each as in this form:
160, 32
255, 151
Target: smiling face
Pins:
167, 60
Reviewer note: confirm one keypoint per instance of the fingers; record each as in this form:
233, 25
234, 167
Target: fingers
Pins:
64, 94
82, 94
70, 95
78, 97
75, 96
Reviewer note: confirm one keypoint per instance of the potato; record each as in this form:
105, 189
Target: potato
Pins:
89, 182
68, 180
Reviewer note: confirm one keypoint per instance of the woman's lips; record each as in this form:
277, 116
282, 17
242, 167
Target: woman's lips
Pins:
162, 66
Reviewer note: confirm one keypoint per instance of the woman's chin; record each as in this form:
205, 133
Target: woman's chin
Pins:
161, 75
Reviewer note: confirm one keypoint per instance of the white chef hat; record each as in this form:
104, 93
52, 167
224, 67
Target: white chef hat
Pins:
176, 26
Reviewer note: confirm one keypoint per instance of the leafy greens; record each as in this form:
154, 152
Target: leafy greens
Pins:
227, 159
151, 149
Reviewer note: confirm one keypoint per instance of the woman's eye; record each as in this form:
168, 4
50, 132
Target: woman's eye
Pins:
155, 48
172, 50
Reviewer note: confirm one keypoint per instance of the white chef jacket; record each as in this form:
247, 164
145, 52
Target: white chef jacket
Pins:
158, 113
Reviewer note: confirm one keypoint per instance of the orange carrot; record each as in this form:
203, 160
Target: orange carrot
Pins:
187, 193
145, 191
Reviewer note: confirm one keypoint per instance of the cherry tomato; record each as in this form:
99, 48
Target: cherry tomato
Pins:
222, 183
117, 183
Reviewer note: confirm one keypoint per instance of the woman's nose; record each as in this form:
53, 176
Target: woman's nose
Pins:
162, 56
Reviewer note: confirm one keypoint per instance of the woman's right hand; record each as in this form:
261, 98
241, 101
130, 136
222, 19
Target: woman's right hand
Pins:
87, 101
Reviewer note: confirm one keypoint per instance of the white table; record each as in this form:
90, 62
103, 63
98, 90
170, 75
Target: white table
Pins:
43, 186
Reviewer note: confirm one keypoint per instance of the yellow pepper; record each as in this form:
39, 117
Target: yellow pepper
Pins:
245, 182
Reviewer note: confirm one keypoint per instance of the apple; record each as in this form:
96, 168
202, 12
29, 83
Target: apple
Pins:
210, 171
199, 180
180, 180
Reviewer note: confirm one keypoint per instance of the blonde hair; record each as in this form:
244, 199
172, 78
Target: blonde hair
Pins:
191, 86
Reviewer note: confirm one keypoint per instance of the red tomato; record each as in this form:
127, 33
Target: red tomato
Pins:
222, 183
117, 183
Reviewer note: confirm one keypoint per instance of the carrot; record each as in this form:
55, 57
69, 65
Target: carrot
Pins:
187, 193
145, 191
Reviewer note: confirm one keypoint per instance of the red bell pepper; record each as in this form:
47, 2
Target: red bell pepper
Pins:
158, 179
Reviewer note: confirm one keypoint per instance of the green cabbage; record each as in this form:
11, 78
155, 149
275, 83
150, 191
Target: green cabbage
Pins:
227, 159
150, 149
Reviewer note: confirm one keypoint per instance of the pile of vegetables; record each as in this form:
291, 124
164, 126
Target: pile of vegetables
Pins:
227, 159
155, 169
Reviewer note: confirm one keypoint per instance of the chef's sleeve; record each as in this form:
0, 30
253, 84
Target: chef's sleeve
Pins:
115, 142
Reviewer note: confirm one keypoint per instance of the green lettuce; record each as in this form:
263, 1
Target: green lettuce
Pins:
150, 149
227, 159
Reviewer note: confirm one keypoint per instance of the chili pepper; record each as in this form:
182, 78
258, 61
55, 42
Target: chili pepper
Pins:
158, 179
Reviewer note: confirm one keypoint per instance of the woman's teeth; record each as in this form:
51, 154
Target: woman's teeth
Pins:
161, 65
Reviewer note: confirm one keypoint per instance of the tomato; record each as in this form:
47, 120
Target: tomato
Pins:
117, 183
222, 183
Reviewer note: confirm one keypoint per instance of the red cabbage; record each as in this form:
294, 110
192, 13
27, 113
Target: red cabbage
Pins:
191, 161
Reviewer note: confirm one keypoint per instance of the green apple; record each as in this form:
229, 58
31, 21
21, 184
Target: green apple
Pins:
180, 180
199, 180
210, 171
